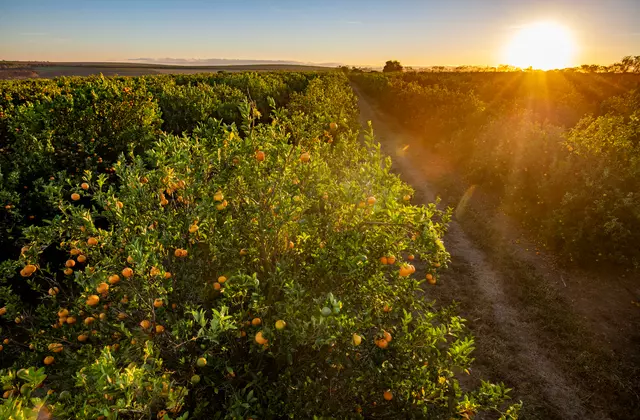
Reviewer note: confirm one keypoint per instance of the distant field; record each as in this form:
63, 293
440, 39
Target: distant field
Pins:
51, 70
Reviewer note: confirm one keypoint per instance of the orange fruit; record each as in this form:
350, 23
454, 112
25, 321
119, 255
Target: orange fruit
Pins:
158, 303
430, 278
92, 241
201, 362
93, 300
127, 273
387, 395
49, 360
56, 347
333, 126
193, 228
387, 337
180, 253
384, 260
405, 271
75, 196
84, 186
412, 268
371, 200
70, 263
102, 288
280, 324
305, 157
159, 329
114, 279
243, 251
218, 196
145, 324
63, 312
356, 339
382, 343
222, 279
256, 321
71, 320
5, 341
167, 275
53, 291
144, 180
89, 320
260, 155
119, 204
3, 311
411, 257
391, 259
82, 338
154, 271
386, 308
68, 271
217, 286
260, 338
81, 258
30, 269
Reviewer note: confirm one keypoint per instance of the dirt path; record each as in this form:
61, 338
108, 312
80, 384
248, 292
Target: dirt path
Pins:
512, 346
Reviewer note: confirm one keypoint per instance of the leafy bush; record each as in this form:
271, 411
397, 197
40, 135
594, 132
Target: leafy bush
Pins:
237, 272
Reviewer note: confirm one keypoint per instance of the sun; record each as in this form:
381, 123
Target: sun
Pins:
541, 45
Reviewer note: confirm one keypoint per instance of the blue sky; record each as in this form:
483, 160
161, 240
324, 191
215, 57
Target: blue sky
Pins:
356, 32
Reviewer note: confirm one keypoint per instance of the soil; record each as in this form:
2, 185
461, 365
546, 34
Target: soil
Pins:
566, 340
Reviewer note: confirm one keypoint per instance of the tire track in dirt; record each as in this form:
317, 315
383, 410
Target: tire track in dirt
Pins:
415, 166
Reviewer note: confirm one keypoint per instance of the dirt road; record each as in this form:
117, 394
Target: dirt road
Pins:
527, 332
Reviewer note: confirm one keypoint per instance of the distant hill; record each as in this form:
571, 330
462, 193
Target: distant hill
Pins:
224, 62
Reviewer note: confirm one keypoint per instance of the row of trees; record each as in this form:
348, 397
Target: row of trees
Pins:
628, 64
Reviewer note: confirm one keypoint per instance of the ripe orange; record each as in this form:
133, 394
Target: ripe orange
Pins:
63, 312
114, 279
29, 269
412, 268
333, 126
71, 320
411, 257
193, 228
405, 271
431, 279
260, 338
56, 347
122, 316
3, 311
305, 157
68, 271
49, 360
391, 259
382, 343
384, 260
243, 251
144, 180
70, 263
386, 308
406, 197
280, 324
145, 324
218, 196
119, 204
84, 186
93, 300
89, 320
82, 338
157, 303
356, 339
81, 258
75, 196
387, 336
127, 272
102, 288
387, 395
222, 279
256, 321
159, 329
371, 200
260, 155
92, 242
5, 341
180, 253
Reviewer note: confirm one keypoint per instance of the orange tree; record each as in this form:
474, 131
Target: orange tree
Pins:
237, 273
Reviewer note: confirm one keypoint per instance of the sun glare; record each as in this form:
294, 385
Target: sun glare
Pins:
542, 45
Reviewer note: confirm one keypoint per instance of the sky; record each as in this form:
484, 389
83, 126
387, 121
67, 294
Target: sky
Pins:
353, 32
